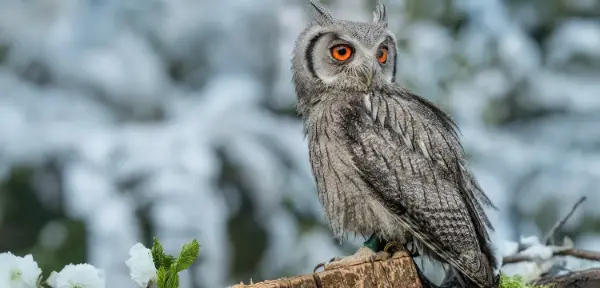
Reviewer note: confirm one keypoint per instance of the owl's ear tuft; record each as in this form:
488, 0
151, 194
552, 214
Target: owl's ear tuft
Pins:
380, 14
321, 14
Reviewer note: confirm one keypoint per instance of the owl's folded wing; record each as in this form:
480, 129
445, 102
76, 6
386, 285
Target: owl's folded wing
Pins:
428, 131
412, 159
428, 206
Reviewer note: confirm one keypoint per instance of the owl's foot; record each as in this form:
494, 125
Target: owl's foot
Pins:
364, 254
372, 249
393, 247
374, 243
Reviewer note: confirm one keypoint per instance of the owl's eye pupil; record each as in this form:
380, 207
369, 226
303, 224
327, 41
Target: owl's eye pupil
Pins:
342, 51
380, 53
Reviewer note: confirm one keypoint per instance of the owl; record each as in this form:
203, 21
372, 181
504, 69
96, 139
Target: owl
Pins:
387, 163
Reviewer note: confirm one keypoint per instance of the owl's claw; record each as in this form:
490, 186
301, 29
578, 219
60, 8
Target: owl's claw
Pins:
334, 259
392, 247
372, 258
322, 264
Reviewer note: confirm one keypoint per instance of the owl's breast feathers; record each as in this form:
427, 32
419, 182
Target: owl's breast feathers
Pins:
403, 151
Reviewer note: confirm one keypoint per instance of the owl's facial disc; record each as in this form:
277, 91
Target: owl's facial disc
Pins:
347, 61
363, 66
355, 63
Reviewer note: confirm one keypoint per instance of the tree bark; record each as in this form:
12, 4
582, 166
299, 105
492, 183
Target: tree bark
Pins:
397, 271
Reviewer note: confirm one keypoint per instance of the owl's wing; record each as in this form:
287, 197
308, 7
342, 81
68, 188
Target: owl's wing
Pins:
413, 161
431, 133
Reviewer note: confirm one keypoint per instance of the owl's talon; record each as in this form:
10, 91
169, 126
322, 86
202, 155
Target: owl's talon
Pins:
322, 264
335, 259
392, 247
319, 266
372, 259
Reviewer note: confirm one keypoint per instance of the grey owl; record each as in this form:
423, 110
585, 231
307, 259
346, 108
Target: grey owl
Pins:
388, 164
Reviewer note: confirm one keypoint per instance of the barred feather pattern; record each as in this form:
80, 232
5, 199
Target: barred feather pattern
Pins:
345, 196
390, 162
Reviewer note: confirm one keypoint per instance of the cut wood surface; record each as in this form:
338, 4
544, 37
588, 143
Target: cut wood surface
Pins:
397, 271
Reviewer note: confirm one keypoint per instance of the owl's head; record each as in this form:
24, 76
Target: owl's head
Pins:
333, 54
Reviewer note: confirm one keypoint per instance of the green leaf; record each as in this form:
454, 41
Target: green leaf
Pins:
168, 266
189, 253
167, 261
158, 253
162, 277
173, 280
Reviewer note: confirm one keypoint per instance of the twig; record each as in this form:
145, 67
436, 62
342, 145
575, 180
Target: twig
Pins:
549, 239
558, 251
580, 253
589, 278
577, 253
516, 259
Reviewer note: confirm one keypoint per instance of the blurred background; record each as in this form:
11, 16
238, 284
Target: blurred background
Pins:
125, 120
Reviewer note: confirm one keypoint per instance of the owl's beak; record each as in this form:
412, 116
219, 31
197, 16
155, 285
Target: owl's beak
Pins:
369, 79
369, 74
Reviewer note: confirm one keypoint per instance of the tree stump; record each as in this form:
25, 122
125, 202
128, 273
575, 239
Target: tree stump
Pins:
397, 271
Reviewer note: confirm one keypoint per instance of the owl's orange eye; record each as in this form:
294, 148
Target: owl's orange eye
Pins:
341, 52
382, 54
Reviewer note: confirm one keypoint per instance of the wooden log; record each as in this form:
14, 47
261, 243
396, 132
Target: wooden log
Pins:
397, 271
